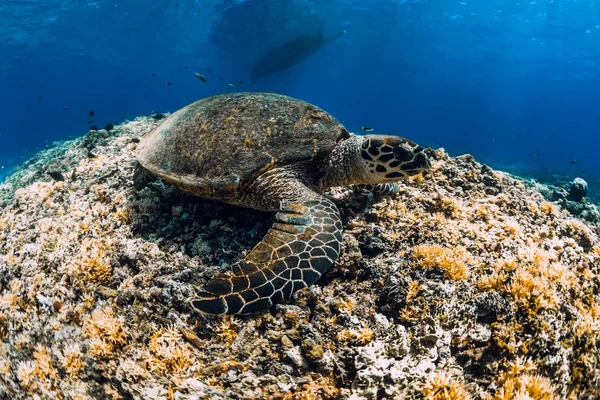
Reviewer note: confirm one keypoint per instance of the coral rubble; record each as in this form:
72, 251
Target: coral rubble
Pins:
467, 284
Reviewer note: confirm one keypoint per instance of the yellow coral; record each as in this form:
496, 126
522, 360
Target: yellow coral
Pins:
71, 360
507, 336
95, 260
40, 370
106, 332
532, 290
414, 288
125, 215
485, 211
26, 373
5, 367
168, 351
590, 323
98, 269
511, 228
443, 386
549, 208
343, 306
361, 336
227, 329
453, 262
520, 382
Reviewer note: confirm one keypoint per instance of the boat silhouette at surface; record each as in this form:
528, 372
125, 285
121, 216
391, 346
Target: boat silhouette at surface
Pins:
290, 53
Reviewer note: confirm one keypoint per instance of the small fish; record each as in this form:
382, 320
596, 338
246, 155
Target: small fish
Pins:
90, 122
108, 127
40, 97
537, 154
200, 76
185, 67
231, 85
168, 83
65, 108
208, 69
576, 161
220, 78
367, 129
583, 171
153, 74
240, 82
92, 112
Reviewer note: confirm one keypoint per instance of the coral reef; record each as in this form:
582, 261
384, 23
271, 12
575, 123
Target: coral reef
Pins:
467, 284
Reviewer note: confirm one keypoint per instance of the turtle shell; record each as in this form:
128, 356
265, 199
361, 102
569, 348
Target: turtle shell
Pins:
218, 145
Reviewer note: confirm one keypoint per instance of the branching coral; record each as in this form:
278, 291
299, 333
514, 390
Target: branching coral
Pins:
361, 336
227, 329
106, 332
94, 263
453, 262
39, 371
168, 351
71, 360
519, 381
443, 386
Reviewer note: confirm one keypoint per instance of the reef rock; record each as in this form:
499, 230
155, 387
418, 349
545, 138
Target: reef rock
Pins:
577, 190
466, 284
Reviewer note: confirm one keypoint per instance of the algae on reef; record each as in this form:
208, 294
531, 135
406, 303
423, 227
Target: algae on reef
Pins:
466, 284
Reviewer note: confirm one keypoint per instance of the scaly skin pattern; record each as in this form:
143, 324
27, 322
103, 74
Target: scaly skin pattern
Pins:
303, 243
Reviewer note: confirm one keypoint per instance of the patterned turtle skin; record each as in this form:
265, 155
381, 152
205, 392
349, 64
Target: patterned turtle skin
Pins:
272, 153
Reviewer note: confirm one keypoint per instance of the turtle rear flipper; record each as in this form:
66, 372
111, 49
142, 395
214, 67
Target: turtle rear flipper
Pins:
303, 243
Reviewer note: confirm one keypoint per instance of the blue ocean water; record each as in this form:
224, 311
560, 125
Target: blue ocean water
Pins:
515, 83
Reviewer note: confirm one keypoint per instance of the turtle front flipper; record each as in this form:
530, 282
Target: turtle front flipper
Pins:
389, 188
302, 244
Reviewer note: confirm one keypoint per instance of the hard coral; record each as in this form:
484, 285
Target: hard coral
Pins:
71, 360
453, 262
443, 386
168, 352
106, 331
519, 381
38, 375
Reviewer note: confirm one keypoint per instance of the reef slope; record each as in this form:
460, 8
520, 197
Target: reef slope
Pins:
467, 284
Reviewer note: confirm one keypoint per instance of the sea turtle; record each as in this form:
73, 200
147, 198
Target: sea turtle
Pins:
272, 153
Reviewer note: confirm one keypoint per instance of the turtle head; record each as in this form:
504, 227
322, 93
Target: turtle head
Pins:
391, 158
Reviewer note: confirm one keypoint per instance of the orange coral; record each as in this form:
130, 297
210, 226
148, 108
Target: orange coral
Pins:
106, 332
453, 262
